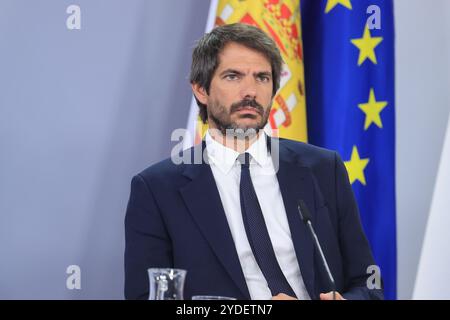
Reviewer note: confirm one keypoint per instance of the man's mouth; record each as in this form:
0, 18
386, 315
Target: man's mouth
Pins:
248, 109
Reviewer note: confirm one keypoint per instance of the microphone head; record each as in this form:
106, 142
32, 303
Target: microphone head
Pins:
303, 211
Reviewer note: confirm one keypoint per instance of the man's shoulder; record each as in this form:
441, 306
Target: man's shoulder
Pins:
308, 154
171, 167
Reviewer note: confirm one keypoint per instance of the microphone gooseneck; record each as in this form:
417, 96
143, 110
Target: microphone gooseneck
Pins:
306, 218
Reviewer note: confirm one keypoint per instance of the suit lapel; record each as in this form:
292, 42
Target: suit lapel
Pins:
295, 184
203, 201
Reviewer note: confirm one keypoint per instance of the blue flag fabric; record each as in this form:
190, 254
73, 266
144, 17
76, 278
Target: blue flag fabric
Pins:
349, 78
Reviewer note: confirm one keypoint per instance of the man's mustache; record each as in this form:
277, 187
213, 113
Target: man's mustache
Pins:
247, 103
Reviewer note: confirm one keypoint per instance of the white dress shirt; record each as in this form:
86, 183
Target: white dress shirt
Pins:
226, 170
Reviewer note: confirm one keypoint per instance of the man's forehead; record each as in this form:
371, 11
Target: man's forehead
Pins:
238, 56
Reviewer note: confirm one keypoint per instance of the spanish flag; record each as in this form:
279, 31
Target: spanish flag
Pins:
281, 20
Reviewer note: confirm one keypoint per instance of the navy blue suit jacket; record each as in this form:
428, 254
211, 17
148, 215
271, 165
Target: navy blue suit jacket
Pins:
175, 218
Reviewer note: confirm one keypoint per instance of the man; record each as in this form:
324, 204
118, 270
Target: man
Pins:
232, 221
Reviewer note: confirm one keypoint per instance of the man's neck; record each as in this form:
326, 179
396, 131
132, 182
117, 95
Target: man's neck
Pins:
238, 144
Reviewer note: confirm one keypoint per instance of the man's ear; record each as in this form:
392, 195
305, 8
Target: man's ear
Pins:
200, 93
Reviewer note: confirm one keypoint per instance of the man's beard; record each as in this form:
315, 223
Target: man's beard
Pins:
222, 119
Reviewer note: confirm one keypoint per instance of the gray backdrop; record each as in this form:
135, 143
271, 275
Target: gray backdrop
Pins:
81, 111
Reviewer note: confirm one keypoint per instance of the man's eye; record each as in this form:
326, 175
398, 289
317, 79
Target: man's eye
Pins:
231, 77
264, 78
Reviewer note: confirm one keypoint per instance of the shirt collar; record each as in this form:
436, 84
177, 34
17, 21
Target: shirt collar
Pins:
225, 158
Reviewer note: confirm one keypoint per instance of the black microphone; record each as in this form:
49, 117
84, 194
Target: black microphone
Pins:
306, 218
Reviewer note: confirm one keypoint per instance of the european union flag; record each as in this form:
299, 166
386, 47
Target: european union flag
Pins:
349, 78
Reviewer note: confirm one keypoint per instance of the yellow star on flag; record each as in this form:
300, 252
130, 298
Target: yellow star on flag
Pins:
355, 167
366, 46
372, 110
333, 3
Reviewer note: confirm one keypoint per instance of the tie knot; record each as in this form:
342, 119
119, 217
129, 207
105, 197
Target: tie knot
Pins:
244, 159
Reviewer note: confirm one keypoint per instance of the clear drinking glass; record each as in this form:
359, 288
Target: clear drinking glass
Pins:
166, 283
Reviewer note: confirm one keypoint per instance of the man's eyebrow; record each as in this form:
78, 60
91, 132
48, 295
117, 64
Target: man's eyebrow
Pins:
231, 71
259, 73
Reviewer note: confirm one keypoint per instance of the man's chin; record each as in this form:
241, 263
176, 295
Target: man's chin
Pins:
240, 127
244, 129
247, 123
246, 126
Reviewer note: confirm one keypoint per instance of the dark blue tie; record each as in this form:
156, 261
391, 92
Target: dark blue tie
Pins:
257, 233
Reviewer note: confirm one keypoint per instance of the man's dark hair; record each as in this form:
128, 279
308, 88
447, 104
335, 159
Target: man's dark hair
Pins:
205, 57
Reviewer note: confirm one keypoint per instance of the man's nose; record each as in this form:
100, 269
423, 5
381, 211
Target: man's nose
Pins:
248, 89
